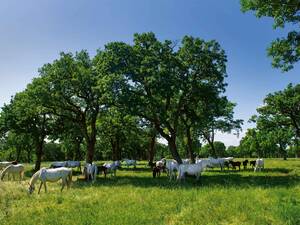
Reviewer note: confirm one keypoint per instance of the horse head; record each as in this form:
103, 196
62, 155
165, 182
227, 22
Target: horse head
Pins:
31, 188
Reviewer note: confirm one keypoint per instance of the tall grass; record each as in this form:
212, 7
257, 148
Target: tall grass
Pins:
134, 197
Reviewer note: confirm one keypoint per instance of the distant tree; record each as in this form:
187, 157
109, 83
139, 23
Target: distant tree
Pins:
219, 119
219, 148
281, 110
232, 151
284, 51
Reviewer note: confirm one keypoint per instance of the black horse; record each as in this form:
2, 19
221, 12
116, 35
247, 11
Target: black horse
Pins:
245, 163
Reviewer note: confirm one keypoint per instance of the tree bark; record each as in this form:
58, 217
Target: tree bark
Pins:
115, 143
39, 153
78, 142
173, 149
151, 152
90, 150
190, 144
91, 140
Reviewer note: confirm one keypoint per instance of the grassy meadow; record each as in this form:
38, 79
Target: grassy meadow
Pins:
134, 197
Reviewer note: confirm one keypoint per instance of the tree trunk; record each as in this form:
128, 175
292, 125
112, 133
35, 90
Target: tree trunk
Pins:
115, 144
190, 145
90, 150
283, 151
173, 149
77, 148
151, 152
91, 140
213, 150
39, 154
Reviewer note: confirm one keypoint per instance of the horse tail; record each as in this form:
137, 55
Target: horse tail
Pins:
4, 172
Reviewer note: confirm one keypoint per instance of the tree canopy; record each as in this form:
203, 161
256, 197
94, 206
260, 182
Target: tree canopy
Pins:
285, 52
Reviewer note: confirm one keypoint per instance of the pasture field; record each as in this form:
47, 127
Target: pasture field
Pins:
134, 197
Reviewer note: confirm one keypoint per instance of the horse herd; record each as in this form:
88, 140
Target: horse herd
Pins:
63, 170
188, 168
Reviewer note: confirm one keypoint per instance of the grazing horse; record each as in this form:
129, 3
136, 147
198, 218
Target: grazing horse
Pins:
130, 162
90, 171
112, 167
52, 175
192, 169
234, 164
259, 164
215, 162
252, 163
4, 164
245, 163
13, 169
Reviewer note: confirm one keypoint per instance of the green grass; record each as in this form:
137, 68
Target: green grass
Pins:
134, 197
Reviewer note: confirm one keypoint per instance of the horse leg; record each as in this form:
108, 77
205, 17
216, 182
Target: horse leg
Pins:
45, 186
40, 187
63, 185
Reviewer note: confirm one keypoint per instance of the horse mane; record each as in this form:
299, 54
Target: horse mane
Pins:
34, 177
5, 171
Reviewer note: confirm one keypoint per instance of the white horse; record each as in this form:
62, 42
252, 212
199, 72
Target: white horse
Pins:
58, 164
186, 161
4, 164
74, 164
259, 164
90, 171
218, 162
191, 169
172, 166
112, 167
52, 175
13, 169
161, 163
130, 162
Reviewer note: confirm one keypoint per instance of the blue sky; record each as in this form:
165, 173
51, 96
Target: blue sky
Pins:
33, 32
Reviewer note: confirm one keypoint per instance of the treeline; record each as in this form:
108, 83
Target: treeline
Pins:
119, 102
277, 130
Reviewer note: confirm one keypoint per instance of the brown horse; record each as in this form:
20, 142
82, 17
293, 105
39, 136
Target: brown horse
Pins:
102, 169
245, 163
234, 164
156, 171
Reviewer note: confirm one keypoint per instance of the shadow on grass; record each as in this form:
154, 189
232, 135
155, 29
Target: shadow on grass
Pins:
224, 180
137, 169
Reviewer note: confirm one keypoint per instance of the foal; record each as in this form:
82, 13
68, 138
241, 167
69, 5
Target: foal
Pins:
156, 171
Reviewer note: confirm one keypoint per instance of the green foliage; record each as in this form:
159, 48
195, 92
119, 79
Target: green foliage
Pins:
219, 148
161, 83
54, 152
284, 51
